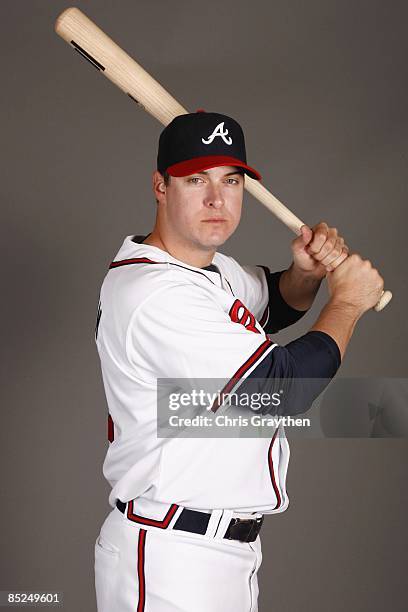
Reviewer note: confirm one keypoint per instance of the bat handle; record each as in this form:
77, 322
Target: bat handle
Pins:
287, 217
386, 297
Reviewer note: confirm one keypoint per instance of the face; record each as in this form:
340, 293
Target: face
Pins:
202, 210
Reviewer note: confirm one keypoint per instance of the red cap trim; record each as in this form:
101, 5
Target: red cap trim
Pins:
197, 164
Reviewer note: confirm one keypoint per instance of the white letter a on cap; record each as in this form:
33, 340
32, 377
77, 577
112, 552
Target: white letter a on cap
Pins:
219, 131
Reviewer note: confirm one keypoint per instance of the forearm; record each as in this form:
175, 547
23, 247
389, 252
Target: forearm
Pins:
297, 288
338, 319
298, 371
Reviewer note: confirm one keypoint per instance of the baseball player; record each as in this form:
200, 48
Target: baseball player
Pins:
183, 532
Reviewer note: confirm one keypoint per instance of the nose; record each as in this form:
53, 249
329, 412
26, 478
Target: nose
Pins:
213, 197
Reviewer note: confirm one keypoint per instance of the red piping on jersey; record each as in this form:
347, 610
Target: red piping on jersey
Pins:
240, 372
111, 430
136, 518
272, 472
127, 262
140, 570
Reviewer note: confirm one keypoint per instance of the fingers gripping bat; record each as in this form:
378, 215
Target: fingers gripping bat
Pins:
105, 55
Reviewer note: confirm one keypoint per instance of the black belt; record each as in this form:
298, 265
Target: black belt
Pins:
244, 530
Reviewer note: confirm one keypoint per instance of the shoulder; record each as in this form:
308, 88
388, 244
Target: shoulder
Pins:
226, 262
134, 280
243, 277
232, 266
148, 287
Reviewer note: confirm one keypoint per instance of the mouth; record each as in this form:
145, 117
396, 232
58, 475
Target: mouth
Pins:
214, 220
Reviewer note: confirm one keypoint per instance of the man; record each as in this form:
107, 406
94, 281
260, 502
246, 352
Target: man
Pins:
183, 532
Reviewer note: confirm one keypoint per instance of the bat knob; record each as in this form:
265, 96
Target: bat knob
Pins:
383, 301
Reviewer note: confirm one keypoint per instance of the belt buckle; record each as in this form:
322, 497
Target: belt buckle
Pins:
244, 530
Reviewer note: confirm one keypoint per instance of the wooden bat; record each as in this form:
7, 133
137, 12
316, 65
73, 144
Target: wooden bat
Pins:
105, 55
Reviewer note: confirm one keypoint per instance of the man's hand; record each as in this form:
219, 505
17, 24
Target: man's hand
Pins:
318, 250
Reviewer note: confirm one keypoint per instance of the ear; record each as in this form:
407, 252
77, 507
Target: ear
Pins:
159, 187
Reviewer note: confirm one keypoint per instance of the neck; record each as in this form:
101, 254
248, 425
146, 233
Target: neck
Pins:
190, 256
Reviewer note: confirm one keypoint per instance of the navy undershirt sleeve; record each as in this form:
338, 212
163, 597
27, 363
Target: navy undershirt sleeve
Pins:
302, 369
281, 315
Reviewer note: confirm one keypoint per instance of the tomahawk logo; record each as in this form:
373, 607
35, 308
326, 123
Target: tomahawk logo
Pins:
219, 131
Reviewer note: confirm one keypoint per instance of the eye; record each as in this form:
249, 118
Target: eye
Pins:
194, 179
233, 181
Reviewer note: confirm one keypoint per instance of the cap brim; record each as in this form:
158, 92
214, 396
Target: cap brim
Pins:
198, 164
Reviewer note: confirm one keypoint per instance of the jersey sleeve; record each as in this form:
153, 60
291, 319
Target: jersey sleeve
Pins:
182, 333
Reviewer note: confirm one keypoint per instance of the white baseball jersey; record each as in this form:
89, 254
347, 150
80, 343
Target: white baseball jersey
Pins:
160, 317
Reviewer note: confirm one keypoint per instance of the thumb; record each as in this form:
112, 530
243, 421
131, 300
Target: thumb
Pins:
305, 237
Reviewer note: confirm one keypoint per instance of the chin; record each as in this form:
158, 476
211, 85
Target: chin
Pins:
214, 245
214, 242
215, 238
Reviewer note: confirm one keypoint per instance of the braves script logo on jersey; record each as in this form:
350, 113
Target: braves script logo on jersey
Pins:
219, 131
240, 314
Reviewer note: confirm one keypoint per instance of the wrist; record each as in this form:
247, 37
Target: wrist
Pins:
298, 288
345, 307
338, 319
306, 276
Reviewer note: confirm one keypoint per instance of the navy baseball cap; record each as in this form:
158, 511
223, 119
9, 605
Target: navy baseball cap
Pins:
197, 141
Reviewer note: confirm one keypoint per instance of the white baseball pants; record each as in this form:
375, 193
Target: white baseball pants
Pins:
142, 568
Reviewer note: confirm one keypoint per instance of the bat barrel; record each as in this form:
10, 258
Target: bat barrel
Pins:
105, 55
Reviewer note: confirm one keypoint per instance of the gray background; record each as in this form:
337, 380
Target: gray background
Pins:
320, 89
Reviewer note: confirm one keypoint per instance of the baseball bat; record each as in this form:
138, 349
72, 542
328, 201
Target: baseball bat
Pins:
105, 55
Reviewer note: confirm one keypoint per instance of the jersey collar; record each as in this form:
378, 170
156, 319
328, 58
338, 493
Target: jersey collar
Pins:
133, 247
